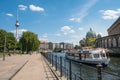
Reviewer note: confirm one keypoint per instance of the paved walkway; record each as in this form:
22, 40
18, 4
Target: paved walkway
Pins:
33, 70
11, 65
27, 67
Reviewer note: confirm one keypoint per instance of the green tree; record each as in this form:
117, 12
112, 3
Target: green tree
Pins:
58, 49
91, 42
11, 41
3, 33
77, 47
29, 42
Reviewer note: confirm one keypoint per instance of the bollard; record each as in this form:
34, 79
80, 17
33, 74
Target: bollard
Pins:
60, 66
99, 68
80, 70
70, 70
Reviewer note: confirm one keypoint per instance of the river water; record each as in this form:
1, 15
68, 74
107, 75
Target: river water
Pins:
111, 72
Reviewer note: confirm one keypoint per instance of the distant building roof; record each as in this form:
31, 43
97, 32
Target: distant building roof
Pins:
114, 28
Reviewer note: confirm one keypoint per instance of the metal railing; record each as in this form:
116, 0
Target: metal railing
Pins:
65, 68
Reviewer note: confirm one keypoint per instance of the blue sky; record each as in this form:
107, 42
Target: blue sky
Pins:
59, 20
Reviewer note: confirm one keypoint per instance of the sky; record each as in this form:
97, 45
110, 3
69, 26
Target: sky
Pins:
59, 20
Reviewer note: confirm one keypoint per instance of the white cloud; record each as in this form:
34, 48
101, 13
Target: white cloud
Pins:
58, 34
20, 31
36, 8
75, 19
9, 14
74, 37
82, 12
67, 29
110, 14
22, 7
71, 31
65, 33
44, 36
80, 28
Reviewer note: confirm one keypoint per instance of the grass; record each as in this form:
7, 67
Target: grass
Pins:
1, 54
7, 53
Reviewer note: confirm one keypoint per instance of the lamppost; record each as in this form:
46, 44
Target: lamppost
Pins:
4, 48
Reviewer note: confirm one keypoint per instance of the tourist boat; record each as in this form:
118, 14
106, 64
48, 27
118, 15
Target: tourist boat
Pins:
91, 57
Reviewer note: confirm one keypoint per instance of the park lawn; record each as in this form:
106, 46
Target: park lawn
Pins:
1, 54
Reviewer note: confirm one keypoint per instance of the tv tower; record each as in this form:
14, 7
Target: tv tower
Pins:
17, 25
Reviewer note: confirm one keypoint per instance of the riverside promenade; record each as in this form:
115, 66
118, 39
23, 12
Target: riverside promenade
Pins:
24, 67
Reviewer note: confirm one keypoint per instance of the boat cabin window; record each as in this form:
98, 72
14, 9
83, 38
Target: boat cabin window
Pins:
96, 55
88, 56
103, 55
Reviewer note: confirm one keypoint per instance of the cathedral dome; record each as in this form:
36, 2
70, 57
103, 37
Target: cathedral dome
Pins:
91, 34
99, 36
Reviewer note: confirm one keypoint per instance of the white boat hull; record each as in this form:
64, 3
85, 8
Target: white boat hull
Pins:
103, 62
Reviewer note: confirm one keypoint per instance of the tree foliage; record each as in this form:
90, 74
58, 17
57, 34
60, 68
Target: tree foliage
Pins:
10, 40
90, 42
58, 49
2, 38
29, 42
77, 47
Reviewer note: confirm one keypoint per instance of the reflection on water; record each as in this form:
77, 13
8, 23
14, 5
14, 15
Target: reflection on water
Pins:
114, 65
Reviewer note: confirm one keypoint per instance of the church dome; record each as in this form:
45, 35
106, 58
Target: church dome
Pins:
91, 34
99, 36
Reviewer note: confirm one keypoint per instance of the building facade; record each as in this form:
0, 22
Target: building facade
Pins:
112, 41
66, 45
51, 46
44, 45
115, 28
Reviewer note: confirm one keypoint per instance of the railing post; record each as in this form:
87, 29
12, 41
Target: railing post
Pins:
52, 60
65, 67
56, 62
50, 57
70, 70
60, 66
99, 68
80, 71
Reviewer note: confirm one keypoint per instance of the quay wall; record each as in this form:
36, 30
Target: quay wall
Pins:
114, 52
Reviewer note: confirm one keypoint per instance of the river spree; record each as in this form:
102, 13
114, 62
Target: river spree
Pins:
111, 72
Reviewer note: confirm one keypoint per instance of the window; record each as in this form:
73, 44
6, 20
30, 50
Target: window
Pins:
96, 55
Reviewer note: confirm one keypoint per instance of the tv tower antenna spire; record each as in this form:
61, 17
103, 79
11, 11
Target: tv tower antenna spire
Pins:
17, 25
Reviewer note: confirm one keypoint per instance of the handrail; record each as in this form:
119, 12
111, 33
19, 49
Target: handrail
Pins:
54, 62
56, 76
